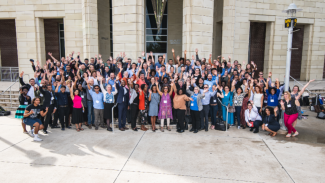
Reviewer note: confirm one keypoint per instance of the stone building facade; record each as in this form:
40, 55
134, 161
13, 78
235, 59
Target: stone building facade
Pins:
243, 29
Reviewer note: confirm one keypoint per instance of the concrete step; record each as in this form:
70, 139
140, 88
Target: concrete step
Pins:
8, 92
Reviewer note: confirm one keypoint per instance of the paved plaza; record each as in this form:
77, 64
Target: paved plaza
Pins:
214, 156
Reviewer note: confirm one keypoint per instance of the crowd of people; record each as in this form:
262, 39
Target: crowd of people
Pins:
180, 91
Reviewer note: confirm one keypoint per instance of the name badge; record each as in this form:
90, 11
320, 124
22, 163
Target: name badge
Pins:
82, 96
66, 75
272, 100
97, 101
110, 100
52, 98
214, 100
192, 104
204, 98
266, 124
249, 119
265, 101
41, 95
210, 86
25, 103
235, 101
289, 105
226, 94
165, 101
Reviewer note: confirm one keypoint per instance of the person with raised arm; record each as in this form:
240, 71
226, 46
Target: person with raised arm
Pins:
77, 110
238, 100
289, 105
123, 103
108, 100
63, 105
98, 105
270, 123
165, 108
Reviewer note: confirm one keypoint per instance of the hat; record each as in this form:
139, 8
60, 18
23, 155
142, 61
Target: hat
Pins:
31, 60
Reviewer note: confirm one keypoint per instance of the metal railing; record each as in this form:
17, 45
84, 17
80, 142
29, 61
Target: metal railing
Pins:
10, 74
113, 117
227, 114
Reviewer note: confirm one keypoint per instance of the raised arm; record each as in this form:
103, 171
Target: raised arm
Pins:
303, 89
71, 91
159, 92
173, 51
171, 89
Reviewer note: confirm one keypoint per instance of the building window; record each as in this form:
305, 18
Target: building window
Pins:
111, 27
61, 40
156, 41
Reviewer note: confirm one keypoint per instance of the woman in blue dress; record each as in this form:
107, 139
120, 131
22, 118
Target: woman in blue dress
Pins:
227, 99
154, 99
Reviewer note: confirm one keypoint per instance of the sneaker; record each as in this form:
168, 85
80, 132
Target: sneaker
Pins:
238, 127
31, 133
37, 139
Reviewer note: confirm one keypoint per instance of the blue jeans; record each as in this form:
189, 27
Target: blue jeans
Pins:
213, 111
91, 115
238, 109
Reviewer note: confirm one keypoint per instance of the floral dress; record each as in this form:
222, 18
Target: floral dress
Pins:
143, 107
165, 108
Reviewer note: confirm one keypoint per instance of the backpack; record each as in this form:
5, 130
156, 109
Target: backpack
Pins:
3, 112
221, 125
321, 115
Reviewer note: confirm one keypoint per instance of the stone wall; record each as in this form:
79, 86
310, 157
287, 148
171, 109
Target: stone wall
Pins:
238, 14
104, 29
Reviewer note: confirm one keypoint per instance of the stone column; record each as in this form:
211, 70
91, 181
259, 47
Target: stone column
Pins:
40, 40
128, 27
198, 27
90, 28
26, 41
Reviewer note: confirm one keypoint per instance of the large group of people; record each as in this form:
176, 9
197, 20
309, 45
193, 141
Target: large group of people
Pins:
179, 90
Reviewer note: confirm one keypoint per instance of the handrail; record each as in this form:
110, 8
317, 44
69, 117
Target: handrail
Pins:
13, 84
227, 114
113, 117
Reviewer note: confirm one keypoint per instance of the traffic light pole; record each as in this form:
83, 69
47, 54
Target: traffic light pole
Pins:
288, 62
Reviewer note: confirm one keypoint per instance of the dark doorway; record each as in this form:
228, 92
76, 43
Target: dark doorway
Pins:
8, 43
257, 45
296, 55
53, 37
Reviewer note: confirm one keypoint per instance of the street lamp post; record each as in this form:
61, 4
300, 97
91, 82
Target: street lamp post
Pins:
290, 23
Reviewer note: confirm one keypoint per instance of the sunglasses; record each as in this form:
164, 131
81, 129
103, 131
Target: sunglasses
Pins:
96, 88
206, 87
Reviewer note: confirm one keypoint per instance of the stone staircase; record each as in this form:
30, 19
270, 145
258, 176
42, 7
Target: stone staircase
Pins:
5, 100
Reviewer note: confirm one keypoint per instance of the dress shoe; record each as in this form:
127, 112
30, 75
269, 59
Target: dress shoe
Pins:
89, 126
93, 125
251, 129
121, 129
125, 128
255, 131
191, 130
195, 131
180, 131
96, 128
68, 127
109, 129
206, 130
201, 129
44, 131
135, 129
55, 126
62, 129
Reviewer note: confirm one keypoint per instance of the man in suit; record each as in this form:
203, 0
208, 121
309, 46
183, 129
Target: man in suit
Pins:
50, 103
123, 104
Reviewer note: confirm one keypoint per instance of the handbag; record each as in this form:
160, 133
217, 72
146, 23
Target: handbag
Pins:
231, 109
251, 124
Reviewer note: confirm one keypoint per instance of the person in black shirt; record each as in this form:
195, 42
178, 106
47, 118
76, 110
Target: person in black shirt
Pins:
63, 106
50, 102
24, 101
270, 123
290, 112
32, 116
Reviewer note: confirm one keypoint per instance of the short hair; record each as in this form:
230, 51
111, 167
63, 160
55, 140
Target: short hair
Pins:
31, 79
92, 58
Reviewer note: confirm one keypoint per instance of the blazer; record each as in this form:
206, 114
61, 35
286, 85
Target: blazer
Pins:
199, 97
47, 97
121, 95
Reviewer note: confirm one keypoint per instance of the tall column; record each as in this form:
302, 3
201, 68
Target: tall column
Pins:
128, 27
26, 41
40, 40
90, 28
198, 27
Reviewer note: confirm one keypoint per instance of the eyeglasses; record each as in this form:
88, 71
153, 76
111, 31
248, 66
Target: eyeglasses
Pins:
96, 88
206, 87
261, 74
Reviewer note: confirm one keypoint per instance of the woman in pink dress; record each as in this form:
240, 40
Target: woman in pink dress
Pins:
78, 108
165, 107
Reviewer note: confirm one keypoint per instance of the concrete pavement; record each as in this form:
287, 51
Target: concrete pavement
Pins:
214, 156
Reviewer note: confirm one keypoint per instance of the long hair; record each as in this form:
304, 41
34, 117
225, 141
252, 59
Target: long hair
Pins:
35, 99
260, 89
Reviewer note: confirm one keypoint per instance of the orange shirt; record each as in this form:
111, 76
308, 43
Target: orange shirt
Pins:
141, 101
140, 82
